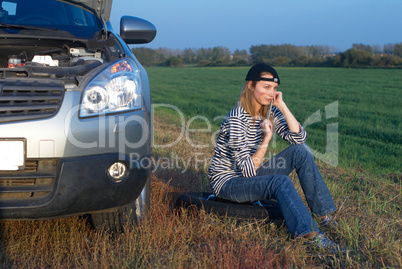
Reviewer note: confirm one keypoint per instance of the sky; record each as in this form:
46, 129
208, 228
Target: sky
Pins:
240, 24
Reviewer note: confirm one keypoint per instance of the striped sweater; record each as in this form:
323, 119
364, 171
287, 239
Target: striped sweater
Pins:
238, 140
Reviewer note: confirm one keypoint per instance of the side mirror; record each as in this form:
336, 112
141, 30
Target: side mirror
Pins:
134, 30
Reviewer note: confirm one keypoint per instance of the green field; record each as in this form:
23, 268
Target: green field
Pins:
369, 113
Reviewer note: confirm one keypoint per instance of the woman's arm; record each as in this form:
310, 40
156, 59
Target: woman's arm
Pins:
258, 156
293, 124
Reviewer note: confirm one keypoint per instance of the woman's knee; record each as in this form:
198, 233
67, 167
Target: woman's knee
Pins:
303, 148
302, 151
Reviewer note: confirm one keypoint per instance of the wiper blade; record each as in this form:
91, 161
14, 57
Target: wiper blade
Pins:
24, 27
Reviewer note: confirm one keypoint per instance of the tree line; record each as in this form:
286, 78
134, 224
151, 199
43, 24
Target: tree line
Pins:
360, 55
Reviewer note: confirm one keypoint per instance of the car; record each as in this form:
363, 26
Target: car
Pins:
75, 113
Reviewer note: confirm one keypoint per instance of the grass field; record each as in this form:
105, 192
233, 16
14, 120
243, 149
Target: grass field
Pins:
369, 113
366, 185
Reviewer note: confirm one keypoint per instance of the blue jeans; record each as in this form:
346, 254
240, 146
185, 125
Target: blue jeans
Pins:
272, 182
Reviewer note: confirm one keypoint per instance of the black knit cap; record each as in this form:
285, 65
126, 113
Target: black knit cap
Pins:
254, 74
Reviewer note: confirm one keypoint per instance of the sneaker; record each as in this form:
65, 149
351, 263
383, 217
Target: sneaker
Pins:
329, 221
323, 242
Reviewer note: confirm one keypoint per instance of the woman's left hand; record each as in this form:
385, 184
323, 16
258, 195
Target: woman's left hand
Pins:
293, 124
278, 99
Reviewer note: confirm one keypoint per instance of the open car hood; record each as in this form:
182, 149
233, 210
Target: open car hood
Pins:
101, 8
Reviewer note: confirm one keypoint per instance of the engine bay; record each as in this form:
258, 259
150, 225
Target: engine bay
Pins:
62, 61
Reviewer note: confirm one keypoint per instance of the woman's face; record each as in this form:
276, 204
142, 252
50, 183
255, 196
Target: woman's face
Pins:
264, 91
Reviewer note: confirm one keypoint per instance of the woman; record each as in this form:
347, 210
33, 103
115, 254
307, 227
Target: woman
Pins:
237, 171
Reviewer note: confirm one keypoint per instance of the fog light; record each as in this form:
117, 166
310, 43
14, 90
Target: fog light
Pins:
117, 172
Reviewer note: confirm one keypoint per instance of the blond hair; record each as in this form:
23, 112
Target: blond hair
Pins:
247, 100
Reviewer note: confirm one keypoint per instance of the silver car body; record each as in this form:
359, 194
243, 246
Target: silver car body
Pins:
68, 153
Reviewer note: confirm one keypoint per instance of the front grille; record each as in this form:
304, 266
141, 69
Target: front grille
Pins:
28, 99
34, 182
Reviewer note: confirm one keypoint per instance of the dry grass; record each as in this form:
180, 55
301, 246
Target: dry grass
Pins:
369, 217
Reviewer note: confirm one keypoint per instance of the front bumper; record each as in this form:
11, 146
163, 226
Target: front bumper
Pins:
50, 188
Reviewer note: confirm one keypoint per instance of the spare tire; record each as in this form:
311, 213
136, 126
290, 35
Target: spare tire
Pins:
202, 200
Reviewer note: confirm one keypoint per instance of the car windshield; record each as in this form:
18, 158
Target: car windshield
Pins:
48, 14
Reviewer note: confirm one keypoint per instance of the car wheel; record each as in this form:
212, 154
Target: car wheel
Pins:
117, 219
260, 210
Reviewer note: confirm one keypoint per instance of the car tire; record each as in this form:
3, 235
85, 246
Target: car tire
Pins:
116, 220
268, 209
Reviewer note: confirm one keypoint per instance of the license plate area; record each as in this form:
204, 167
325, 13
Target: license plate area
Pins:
12, 154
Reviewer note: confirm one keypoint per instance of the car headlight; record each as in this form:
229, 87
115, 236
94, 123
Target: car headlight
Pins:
115, 89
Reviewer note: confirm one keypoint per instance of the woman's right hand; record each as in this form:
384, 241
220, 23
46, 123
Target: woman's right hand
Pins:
266, 127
